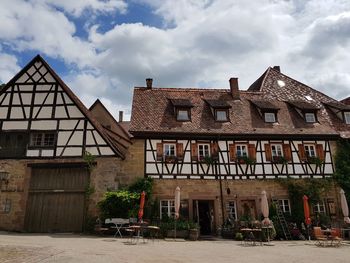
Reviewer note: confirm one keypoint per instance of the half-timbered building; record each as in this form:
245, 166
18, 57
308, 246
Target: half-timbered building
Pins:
54, 154
222, 147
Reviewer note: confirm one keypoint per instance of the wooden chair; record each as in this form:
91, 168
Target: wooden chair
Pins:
321, 239
335, 236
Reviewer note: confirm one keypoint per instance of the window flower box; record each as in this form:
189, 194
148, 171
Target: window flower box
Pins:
245, 160
207, 160
170, 159
279, 160
314, 160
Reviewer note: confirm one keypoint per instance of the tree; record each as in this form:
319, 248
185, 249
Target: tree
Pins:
342, 166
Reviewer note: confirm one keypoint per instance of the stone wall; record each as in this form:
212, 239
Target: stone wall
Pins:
109, 173
240, 191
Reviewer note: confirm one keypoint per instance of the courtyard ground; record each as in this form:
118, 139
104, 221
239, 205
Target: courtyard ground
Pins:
81, 248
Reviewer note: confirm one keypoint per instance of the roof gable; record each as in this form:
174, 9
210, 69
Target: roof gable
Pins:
37, 99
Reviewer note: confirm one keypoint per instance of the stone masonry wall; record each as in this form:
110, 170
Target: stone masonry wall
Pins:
108, 174
240, 191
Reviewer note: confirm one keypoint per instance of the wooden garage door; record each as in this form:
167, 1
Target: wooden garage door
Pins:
56, 200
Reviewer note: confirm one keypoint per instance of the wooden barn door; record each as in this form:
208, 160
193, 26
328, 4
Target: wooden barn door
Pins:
56, 200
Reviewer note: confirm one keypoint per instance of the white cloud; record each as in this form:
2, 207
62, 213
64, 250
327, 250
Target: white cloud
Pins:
76, 7
202, 43
8, 67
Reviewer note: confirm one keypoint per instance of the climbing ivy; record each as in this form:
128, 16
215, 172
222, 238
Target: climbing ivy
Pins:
313, 188
342, 166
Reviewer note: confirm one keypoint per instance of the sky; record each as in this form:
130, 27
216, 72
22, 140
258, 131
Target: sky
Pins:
103, 48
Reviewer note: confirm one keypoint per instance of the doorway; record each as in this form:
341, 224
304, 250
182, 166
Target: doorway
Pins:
204, 216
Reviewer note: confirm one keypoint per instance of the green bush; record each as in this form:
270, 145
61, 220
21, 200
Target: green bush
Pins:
239, 236
125, 203
119, 204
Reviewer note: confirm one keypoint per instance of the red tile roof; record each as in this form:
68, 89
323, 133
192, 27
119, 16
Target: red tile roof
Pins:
152, 112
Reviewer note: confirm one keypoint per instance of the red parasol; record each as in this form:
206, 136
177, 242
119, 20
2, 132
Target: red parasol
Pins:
142, 204
306, 210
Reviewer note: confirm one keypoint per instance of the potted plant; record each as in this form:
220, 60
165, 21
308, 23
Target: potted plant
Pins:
208, 160
193, 232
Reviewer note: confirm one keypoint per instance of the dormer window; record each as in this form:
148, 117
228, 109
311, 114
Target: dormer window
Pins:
306, 110
221, 115
267, 110
347, 117
182, 109
183, 115
310, 117
219, 109
270, 117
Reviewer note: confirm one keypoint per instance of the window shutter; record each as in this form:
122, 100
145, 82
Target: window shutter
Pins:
268, 154
302, 154
232, 149
287, 152
251, 151
180, 151
214, 149
194, 151
320, 152
159, 151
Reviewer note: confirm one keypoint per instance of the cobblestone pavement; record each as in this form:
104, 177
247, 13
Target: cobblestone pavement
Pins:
80, 248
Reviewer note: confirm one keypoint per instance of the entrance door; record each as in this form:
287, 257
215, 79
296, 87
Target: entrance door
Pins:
204, 215
56, 200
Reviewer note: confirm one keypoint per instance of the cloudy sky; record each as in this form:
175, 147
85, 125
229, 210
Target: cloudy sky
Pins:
102, 49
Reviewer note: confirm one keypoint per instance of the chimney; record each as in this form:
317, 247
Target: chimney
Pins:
121, 116
234, 88
149, 83
277, 68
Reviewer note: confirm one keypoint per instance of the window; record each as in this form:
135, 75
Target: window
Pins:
167, 208
241, 150
169, 150
231, 210
42, 139
284, 205
221, 115
276, 150
203, 151
347, 117
310, 150
310, 117
183, 115
270, 117
320, 208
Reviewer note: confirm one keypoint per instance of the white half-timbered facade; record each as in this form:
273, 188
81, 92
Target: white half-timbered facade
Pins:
41, 117
222, 147
266, 159
52, 150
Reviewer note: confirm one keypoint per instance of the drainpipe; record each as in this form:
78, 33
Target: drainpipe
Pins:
221, 193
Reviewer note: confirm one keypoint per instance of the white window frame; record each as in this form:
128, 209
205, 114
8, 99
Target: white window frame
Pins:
320, 206
183, 117
242, 148
275, 152
169, 205
231, 210
202, 149
270, 117
347, 117
283, 204
217, 115
33, 142
165, 152
310, 117
310, 150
